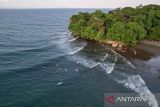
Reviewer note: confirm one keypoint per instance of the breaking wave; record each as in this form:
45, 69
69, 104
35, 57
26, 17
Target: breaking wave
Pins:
109, 67
123, 58
137, 84
66, 44
91, 63
127, 61
77, 50
60, 83
85, 62
104, 58
95, 65
73, 39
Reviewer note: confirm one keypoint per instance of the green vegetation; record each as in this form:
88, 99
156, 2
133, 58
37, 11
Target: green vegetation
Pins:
127, 25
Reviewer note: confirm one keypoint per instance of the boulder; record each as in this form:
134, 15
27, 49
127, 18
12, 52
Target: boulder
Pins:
114, 45
120, 46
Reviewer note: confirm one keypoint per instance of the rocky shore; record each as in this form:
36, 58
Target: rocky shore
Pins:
143, 50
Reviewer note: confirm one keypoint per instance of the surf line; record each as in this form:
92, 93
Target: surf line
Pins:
73, 39
124, 59
79, 49
137, 84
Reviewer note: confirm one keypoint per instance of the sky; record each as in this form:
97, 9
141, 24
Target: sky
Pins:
74, 3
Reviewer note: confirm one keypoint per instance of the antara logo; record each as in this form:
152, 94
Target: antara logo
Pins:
112, 99
131, 99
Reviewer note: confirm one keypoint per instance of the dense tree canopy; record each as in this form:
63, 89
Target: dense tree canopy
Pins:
127, 25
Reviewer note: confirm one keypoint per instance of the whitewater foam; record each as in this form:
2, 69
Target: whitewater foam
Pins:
137, 84
85, 62
95, 65
108, 68
123, 58
65, 44
59, 83
104, 58
79, 49
73, 39
77, 70
65, 69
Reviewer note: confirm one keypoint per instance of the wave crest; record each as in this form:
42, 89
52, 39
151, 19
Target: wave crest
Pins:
73, 39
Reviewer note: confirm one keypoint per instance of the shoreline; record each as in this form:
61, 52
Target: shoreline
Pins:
146, 60
148, 42
125, 49
144, 50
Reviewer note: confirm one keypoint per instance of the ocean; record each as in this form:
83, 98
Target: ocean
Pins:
42, 65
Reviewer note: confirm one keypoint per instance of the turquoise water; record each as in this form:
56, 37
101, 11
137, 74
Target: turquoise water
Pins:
42, 65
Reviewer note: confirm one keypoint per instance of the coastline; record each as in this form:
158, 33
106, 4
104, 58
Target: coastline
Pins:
144, 50
145, 56
155, 43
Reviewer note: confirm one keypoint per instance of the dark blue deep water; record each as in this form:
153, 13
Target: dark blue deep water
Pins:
42, 65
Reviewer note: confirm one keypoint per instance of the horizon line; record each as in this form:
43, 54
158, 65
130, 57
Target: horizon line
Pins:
59, 8
70, 7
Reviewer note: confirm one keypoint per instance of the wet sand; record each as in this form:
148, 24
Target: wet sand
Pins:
146, 59
142, 52
154, 43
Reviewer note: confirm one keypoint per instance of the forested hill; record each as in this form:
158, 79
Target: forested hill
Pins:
127, 25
